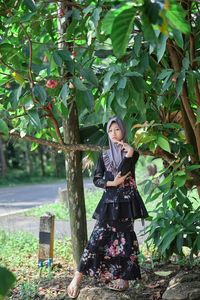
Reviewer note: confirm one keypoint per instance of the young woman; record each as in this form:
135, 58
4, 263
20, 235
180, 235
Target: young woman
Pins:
112, 249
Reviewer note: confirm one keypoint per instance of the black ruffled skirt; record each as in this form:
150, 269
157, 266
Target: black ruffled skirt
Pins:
111, 252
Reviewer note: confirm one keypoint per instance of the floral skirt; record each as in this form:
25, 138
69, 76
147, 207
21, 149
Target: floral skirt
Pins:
111, 252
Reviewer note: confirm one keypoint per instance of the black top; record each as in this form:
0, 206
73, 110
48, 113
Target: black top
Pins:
121, 202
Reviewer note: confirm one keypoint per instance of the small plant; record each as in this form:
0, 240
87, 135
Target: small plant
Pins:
176, 223
27, 291
7, 280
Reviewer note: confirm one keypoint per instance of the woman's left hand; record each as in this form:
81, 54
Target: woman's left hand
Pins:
127, 148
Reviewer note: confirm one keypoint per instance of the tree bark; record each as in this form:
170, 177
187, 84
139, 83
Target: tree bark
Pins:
42, 163
75, 190
73, 163
3, 166
192, 130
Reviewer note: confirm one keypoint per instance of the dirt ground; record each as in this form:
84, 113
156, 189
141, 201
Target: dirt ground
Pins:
52, 285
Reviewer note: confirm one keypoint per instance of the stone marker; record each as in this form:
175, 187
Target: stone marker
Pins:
46, 240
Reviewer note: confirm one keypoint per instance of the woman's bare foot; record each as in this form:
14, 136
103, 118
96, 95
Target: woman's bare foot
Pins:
105, 278
73, 288
119, 285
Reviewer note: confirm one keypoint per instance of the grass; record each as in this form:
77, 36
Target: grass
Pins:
61, 212
22, 178
19, 253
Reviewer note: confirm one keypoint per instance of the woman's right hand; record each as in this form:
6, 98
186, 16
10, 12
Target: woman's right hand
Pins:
120, 179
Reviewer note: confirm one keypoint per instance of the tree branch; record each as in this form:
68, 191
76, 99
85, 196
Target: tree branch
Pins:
58, 146
30, 58
170, 158
55, 124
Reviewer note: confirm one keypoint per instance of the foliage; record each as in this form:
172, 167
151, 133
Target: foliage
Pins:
7, 279
176, 224
23, 263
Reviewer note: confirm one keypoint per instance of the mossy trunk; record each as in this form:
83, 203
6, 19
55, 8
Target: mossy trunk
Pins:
75, 190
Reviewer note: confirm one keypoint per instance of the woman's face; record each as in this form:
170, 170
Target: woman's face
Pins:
115, 133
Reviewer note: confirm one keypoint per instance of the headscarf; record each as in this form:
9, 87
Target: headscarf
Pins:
114, 154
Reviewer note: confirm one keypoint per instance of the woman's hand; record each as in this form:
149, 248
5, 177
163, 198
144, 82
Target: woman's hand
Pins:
126, 148
120, 179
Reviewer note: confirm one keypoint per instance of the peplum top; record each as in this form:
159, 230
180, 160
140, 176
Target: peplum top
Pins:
121, 202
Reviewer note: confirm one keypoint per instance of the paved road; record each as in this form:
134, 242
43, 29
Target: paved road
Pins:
20, 198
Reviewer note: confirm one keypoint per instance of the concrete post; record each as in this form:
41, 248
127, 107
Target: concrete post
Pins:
46, 240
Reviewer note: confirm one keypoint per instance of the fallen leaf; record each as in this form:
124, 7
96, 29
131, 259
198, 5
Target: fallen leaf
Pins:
163, 273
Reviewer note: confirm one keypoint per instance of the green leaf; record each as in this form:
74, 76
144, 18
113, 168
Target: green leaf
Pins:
40, 93
167, 239
167, 83
64, 93
178, 37
49, 27
179, 242
65, 55
167, 180
163, 273
108, 20
27, 17
108, 81
176, 16
79, 85
6, 281
148, 30
34, 146
139, 84
14, 97
185, 63
121, 97
161, 46
137, 44
57, 58
85, 99
64, 110
4, 128
71, 28
34, 118
89, 75
165, 73
130, 74
180, 180
163, 143
96, 15
122, 83
30, 4
121, 30
179, 83
193, 167
198, 114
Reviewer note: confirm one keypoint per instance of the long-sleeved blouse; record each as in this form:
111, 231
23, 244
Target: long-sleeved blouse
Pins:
121, 202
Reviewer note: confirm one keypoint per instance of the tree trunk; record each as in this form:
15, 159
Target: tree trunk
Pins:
75, 189
28, 159
42, 162
3, 166
73, 163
